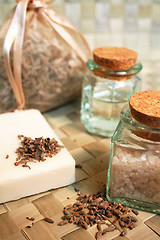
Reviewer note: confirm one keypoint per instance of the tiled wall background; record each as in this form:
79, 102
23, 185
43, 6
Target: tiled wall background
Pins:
131, 23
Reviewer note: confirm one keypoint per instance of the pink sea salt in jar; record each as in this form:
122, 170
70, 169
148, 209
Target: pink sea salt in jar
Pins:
134, 164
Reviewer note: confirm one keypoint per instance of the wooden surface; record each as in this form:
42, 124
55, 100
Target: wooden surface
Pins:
91, 153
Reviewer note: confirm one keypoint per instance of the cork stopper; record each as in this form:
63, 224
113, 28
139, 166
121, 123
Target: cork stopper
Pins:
115, 57
145, 107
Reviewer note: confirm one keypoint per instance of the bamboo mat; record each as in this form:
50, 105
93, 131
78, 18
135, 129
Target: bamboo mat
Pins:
91, 154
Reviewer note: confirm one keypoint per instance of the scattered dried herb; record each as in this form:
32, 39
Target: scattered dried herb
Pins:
62, 223
28, 226
36, 150
78, 166
99, 227
98, 235
90, 209
123, 233
49, 220
135, 212
7, 156
133, 219
30, 218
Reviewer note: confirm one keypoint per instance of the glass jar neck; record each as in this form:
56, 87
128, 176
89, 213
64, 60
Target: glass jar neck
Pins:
140, 130
113, 74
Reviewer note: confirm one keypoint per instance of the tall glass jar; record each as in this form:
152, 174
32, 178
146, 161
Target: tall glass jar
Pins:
104, 92
134, 164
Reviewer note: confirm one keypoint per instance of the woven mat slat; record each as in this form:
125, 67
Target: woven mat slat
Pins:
40, 231
17, 236
87, 187
2, 209
142, 232
50, 206
120, 238
80, 155
79, 234
16, 204
19, 216
154, 224
8, 227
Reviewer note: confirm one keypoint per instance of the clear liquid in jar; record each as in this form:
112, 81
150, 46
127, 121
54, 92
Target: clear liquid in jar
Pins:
100, 111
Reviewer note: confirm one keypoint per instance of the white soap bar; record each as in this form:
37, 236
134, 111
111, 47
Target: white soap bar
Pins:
17, 181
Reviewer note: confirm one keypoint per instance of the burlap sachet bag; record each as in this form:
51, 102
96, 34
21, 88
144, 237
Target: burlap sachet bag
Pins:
42, 58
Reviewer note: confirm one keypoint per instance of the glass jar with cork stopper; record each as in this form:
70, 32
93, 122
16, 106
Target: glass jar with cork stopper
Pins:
107, 85
134, 162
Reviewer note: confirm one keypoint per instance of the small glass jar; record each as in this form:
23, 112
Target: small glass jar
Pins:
104, 92
134, 164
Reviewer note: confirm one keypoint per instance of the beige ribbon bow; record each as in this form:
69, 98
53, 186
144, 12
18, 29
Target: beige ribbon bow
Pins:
15, 36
